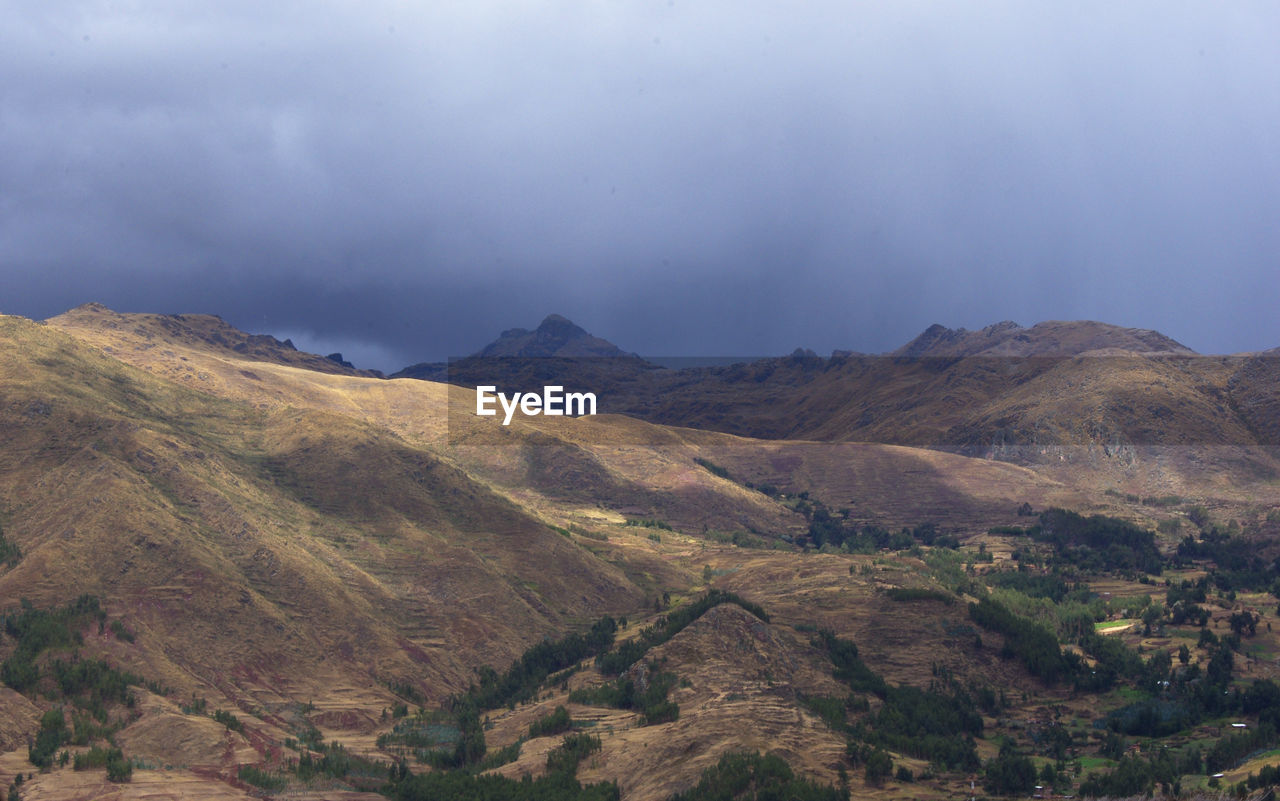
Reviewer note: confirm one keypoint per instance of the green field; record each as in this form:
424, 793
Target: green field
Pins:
1107, 625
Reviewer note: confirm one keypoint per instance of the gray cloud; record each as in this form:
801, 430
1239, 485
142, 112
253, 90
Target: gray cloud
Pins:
405, 180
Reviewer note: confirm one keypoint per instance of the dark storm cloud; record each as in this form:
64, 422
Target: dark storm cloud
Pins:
402, 181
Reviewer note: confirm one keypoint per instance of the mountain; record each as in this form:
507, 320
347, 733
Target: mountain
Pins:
1042, 339
321, 553
1057, 394
555, 338
204, 332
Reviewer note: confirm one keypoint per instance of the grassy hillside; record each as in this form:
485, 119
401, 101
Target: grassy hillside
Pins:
305, 571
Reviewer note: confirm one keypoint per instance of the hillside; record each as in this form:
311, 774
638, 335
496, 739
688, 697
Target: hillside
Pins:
202, 332
1093, 404
311, 549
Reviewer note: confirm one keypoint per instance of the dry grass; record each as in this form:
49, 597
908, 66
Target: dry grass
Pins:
277, 536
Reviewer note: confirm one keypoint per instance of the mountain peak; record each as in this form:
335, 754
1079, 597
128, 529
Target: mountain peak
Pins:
555, 336
559, 327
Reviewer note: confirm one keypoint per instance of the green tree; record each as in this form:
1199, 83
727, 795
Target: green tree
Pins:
1009, 773
1244, 624
879, 767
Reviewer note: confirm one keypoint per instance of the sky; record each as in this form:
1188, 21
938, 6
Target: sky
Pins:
401, 181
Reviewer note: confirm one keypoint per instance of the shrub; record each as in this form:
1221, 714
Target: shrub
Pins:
753, 776
10, 553
271, 782
229, 720
919, 594
879, 767
118, 768
555, 723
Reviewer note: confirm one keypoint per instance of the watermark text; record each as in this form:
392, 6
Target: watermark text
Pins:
553, 402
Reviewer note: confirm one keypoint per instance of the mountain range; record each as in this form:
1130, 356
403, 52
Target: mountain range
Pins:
307, 545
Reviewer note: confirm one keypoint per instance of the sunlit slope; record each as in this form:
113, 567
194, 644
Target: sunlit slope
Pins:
280, 546
1152, 424
608, 467
140, 333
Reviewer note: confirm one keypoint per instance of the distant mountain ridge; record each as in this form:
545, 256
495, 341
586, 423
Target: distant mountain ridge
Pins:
1051, 338
558, 337
1005, 390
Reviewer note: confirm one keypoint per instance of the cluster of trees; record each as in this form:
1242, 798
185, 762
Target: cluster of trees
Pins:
52, 735
10, 553
1010, 773
1029, 642
646, 523
835, 530
1237, 565
1037, 647
228, 719
267, 780
648, 697
88, 685
1037, 585
1113, 661
1098, 543
834, 711
1269, 776
930, 724
331, 761
1192, 695
756, 777
919, 594
1183, 603
938, 723
559, 784
617, 661
848, 667
569, 754
422, 733
877, 764
526, 676
119, 769
713, 468
336, 762
557, 722
1137, 775
37, 630
522, 680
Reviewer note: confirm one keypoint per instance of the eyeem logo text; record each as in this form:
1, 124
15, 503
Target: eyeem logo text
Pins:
553, 401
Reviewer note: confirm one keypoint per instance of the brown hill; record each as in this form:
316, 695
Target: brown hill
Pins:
204, 332
289, 542
282, 546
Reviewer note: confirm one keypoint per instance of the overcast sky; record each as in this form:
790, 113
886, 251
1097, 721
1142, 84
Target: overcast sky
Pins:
402, 181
